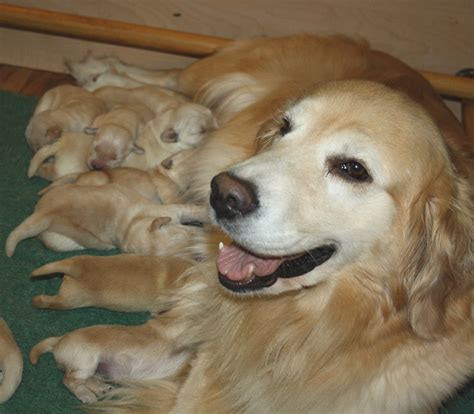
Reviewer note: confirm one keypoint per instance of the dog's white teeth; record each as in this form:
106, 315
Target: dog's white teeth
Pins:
250, 268
221, 246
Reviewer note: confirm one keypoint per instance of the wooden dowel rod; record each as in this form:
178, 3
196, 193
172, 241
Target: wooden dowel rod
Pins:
162, 40
109, 31
449, 85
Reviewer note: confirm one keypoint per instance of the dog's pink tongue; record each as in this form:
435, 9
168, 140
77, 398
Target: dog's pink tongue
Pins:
239, 265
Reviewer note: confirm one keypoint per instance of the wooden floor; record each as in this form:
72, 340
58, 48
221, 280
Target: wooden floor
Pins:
30, 82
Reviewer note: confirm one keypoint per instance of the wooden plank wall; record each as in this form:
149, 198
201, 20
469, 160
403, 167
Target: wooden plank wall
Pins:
436, 35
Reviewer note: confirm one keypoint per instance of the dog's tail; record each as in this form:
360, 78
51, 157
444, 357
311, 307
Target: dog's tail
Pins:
41, 156
46, 345
65, 179
11, 369
32, 226
66, 266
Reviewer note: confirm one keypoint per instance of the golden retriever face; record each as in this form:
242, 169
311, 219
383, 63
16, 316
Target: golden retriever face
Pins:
332, 185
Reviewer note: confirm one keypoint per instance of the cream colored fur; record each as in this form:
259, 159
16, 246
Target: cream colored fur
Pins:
67, 155
65, 108
151, 184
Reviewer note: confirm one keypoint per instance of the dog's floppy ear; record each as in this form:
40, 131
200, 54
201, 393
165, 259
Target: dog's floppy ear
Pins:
439, 257
159, 222
53, 133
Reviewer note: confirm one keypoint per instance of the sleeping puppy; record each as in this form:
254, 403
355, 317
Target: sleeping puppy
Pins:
125, 282
11, 363
115, 134
61, 109
94, 72
151, 184
155, 98
74, 217
177, 129
111, 351
69, 155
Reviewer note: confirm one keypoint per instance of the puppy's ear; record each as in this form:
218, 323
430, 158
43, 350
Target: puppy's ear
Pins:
169, 135
439, 257
158, 223
90, 130
137, 149
53, 133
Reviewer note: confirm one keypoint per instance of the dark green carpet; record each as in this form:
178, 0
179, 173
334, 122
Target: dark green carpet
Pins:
41, 391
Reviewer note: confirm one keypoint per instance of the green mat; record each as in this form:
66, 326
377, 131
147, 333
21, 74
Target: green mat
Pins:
41, 391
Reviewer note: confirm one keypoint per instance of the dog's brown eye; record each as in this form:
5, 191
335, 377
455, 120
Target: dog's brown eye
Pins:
349, 169
353, 170
285, 126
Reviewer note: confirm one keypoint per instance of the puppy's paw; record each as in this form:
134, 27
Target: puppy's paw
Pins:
98, 387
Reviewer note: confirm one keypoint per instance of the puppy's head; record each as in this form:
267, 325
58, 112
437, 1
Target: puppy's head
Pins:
111, 145
186, 126
350, 174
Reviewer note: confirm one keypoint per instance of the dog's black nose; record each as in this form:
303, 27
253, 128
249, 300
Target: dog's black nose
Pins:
232, 196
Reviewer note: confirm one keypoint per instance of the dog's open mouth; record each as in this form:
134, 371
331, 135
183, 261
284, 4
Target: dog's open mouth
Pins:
240, 270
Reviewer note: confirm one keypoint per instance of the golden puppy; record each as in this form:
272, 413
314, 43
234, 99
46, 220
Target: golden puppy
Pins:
11, 363
95, 72
113, 352
125, 282
65, 108
69, 156
177, 129
115, 134
152, 184
74, 217
155, 98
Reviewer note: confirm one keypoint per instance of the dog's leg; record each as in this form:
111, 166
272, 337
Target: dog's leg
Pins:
86, 388
70, 296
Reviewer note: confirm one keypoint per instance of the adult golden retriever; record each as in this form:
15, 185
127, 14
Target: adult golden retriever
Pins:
344, 184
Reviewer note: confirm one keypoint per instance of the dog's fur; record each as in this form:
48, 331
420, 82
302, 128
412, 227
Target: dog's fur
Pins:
385, 324
72, 217
65, 108
11, 363
115, 135
67, 155
152, 184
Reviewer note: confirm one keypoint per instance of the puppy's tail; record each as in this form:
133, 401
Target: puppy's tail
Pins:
32, 226
65, 179
11, 368
46, 345
41, 156
67, 266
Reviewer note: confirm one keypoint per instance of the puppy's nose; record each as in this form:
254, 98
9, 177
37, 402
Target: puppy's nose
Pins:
97, 165
232, 196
